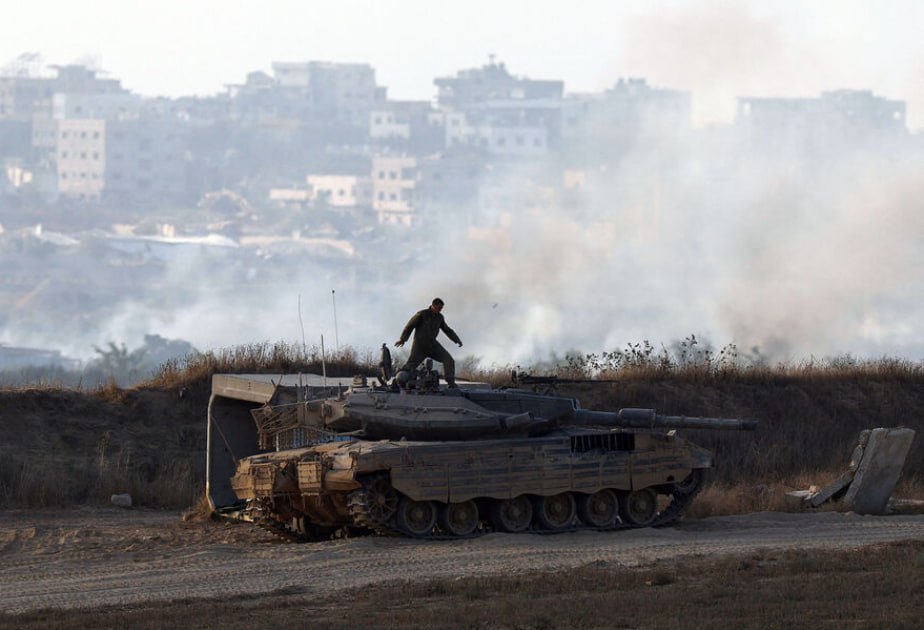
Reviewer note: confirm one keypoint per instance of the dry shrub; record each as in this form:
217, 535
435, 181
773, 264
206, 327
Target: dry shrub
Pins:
199, 511
263, 358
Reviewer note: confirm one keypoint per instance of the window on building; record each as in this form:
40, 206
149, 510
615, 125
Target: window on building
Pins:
341, 192
381, 174
393, 197
63, 154
392, 175
96, 135
95, 155
381, 196
83, 134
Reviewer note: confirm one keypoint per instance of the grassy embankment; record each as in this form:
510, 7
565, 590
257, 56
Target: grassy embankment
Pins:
65, 446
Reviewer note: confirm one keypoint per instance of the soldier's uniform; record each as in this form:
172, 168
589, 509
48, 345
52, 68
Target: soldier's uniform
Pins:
426, 325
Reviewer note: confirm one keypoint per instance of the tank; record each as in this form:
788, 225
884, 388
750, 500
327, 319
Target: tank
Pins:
310, 457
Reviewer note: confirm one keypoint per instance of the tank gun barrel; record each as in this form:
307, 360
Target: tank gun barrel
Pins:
650, 419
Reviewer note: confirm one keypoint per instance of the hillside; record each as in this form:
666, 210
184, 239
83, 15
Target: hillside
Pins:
64, 447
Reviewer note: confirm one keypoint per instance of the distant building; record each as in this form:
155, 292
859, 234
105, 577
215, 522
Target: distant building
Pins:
506, 128
22, 97
629, 112
145, 160
817, 125
448, 184
80, 158
341, 191
345, 90
93, 158
120, 105
500, 114
394, 180
491, 82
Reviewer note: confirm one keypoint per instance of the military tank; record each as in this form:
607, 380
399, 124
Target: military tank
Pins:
310, 457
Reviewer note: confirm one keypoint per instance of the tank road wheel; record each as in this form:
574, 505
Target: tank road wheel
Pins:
599, 509
555, 512
459, 519
416, 518
381, 499
638, 508
512, 515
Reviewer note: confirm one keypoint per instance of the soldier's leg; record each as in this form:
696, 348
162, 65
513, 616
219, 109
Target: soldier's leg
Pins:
439, 353
417, 355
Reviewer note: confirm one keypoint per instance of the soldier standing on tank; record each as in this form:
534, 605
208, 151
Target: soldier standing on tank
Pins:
426, 325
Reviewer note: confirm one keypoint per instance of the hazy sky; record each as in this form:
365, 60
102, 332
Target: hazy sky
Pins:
716, 49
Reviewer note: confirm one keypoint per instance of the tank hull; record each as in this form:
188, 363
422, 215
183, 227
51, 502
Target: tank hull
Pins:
327, 485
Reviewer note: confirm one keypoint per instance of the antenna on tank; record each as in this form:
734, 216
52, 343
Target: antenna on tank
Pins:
323, 362
333, 298
302, 326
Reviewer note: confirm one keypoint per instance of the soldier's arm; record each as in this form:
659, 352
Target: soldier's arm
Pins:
450, 333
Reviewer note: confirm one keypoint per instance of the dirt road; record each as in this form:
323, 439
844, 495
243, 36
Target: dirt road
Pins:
97, 557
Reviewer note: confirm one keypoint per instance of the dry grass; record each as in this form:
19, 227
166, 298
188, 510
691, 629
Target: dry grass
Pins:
65, 481
262, 358
876, 587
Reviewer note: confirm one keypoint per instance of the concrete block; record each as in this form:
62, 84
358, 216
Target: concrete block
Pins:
831, 490
121, 500
878, 470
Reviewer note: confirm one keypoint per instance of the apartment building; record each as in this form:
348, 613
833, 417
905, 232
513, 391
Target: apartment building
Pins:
506, 128
628, 113
23, 97
394, 180
144, 160
80, 158
502, 115
818, 125
347, 91
491, 82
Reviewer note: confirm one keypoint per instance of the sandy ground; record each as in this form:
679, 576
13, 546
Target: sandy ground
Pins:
97, 557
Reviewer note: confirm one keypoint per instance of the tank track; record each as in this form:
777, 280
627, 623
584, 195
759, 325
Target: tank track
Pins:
279, 530
679, 503
366, 509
